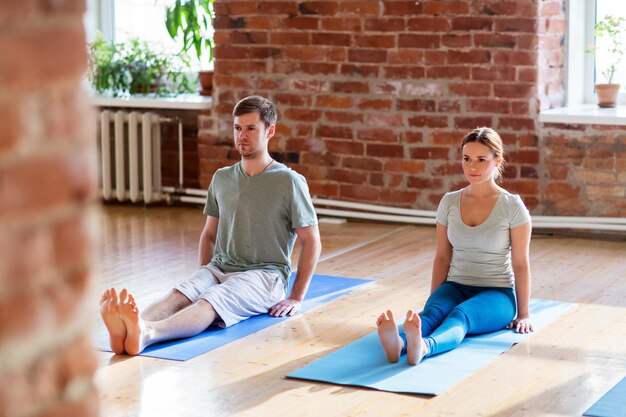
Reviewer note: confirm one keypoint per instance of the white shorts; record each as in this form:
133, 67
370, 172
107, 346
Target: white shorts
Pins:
235, 296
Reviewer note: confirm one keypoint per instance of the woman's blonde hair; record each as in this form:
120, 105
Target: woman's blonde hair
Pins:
490, 138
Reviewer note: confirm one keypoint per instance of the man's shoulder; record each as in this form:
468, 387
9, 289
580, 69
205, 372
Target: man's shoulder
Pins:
288, 174
226, 171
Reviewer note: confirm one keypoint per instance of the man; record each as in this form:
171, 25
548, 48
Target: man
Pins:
255, 209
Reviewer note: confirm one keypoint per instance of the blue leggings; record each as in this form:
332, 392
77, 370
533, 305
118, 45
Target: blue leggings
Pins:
455, 310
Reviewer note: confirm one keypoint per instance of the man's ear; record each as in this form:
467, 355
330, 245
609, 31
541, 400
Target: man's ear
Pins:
271, 130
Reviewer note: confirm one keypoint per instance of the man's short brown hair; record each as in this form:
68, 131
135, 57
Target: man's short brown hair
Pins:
254, 104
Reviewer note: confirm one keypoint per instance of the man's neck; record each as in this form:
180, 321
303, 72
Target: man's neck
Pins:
256, 165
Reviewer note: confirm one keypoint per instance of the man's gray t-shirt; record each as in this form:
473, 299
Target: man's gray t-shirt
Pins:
257, 217
481, 255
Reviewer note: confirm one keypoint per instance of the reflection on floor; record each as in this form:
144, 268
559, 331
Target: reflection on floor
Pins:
559, 371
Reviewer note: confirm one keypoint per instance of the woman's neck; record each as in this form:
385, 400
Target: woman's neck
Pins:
486, 189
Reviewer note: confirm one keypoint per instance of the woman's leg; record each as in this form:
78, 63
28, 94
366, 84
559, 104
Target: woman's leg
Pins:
487, 311
439, 304
389, 337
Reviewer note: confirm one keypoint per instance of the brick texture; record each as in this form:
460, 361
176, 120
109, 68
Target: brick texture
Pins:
47, 214
399, 83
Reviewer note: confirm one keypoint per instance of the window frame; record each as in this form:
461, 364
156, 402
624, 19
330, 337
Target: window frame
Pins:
100, 16
581, 65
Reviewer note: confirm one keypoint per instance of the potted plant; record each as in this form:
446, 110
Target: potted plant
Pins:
613, 29
191, 22
134, 67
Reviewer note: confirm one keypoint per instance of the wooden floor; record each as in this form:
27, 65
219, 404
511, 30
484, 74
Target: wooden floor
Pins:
559, 371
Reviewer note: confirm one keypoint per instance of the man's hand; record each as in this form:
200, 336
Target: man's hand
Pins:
286, 306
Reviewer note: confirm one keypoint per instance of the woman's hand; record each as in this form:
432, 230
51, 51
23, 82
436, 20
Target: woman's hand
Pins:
521, 325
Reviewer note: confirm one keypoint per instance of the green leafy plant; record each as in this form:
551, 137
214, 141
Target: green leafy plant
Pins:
613, 29
191, 22
134, 67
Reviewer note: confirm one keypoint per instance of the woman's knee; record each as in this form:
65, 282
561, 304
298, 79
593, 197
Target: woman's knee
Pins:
460, 315
489, 313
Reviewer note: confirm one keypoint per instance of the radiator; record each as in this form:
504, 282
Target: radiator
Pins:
130, 156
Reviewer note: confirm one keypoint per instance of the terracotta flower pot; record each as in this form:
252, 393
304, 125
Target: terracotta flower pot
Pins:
206, 83
607, 94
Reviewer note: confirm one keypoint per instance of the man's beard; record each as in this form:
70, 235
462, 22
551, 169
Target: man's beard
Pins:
248, 155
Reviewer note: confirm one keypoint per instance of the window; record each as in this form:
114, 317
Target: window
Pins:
584, 69
602, 59
120, 20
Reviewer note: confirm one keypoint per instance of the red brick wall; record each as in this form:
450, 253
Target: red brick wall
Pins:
374, 96
551, 54
170, 154
47, 220
585, 170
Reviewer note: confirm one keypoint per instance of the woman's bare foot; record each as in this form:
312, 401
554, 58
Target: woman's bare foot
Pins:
135, 329
415, 347
389, 337
112, 320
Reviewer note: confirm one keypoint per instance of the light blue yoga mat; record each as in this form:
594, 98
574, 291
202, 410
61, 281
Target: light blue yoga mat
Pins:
612, 404
323, 288
363, 363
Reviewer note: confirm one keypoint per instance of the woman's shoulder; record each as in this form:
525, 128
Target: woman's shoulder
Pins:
516, 210
449, 199
452, 195
512, 199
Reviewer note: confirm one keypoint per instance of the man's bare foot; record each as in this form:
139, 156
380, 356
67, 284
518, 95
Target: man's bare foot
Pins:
112, 320
389, 337
135, 338
415, 347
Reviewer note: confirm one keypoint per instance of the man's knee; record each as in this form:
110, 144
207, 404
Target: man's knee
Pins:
203, 304
178, 299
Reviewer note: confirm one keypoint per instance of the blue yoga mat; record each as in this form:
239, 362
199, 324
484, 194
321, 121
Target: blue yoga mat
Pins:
323, 288
612, 404
363, 363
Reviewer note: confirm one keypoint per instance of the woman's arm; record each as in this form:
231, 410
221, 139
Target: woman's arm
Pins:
520, 245
443, 257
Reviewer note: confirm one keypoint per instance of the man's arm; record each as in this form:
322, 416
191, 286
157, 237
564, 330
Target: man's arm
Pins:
207, 240
311, 247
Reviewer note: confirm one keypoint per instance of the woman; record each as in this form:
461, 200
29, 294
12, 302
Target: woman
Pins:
481, 273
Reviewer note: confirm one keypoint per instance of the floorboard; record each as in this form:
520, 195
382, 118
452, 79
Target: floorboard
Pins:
560, 371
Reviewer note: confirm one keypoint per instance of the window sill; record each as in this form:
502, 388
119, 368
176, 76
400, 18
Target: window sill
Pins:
179, 102
585, 114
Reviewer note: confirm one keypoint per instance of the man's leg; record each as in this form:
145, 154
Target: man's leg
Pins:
177, 315
141, 333
244, 294
169, 305
110, 315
